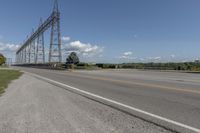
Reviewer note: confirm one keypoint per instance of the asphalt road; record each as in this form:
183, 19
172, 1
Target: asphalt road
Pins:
31, 105
172, 95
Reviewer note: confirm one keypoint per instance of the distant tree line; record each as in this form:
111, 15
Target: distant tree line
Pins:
73, 62
190, 66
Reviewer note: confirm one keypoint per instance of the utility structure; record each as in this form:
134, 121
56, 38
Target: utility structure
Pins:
33, 50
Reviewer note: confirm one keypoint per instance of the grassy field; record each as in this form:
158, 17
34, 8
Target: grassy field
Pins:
3, 66
6, 76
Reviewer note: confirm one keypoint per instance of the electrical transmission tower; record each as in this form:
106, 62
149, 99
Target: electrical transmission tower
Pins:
33, 50
32, 56
55, 44
40, 54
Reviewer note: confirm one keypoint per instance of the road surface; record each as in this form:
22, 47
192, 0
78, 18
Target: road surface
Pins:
34, 106
175, 96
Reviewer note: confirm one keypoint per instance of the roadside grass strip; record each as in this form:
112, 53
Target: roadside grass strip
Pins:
6, 76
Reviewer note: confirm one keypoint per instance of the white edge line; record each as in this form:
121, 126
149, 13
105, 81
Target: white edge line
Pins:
121, 104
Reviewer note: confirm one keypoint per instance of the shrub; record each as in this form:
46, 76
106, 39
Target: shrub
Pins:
2, 59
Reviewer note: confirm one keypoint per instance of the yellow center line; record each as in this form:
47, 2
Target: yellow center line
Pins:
133, 83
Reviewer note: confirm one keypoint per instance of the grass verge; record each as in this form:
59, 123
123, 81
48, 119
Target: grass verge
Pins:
3, 66
6, 76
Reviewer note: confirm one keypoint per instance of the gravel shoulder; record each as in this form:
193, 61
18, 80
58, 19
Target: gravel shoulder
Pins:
33, 106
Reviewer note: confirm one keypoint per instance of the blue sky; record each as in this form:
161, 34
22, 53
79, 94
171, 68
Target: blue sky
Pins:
110, 30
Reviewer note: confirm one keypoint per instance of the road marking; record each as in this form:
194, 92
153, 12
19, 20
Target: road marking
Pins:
119, 104
134, 83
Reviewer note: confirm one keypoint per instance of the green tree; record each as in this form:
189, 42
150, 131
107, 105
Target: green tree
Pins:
72, 58
2, 59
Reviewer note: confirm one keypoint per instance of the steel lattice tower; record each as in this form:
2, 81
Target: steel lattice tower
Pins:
55, 42
32, 57
33, 49
40, 54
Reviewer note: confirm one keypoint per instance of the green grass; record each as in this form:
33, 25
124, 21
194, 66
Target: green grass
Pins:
6, 76
3, 66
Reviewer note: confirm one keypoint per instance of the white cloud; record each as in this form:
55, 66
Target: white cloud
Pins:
127, 55
66, 38
172, 56
8, 47
141, 59
84, 49
8, 50
185, 61
157, 58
